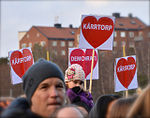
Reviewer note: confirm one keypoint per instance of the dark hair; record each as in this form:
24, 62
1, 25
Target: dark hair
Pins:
121, 107
100, 108
1, 109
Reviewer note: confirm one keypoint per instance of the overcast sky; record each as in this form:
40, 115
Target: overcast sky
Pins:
22, 15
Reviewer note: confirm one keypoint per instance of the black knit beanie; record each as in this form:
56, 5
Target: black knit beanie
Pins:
38, 72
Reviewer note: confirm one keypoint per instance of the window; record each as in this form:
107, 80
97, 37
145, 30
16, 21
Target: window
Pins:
114, 52
30, 44
115, 43
38, 35
140, 33
63, 52
123, 43
70, 44
23, 45
121, 24
78, 38
62, 43
102, 53
72, 32
131, 34
131, 44
133, 22
27, 35
54, 43
42, 43
148, 34
138, 38
55, 52
122, 34
115, 34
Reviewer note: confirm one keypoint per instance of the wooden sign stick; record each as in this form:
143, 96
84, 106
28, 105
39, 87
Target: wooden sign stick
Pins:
85, 78
90, 88
85, 84
47, 55
124, 54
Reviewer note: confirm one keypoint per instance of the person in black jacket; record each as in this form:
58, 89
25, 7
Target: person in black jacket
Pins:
19, 108
44, 87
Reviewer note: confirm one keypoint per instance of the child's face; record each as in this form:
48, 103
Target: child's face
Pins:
75, 83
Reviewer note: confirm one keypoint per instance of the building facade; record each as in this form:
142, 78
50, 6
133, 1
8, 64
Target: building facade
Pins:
55, 39
126, 29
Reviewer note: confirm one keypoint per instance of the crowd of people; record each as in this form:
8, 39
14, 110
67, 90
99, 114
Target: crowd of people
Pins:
51, 94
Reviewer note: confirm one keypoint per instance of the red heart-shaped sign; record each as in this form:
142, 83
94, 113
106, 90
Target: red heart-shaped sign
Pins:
96, 32
20, 62
125, 70
78, 56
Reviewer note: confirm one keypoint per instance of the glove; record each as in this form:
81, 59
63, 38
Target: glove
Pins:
77, 99
76, 89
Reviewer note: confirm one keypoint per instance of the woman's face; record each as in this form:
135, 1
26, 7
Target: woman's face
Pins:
49, 95
75, 83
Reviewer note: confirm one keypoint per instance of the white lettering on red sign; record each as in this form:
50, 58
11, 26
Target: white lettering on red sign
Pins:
97, 27
21, 60
126, 67
82, 58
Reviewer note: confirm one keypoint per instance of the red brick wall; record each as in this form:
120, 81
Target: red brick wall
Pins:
31, 37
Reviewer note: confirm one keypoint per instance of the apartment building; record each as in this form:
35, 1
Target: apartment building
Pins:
126, 29
57, 39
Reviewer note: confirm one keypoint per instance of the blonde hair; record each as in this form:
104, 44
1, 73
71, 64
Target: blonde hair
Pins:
140, 108
138, 91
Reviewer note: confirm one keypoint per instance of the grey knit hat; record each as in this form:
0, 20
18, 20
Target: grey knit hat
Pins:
38, 72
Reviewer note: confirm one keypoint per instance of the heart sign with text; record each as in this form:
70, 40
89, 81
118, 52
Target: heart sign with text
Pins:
126, 72
20, 61
96, 32
83, 57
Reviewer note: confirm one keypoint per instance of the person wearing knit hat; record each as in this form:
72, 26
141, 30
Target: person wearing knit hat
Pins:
44, 86
74, 79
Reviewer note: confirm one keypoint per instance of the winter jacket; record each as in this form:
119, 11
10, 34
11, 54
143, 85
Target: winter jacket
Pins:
19, 108
77, 95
